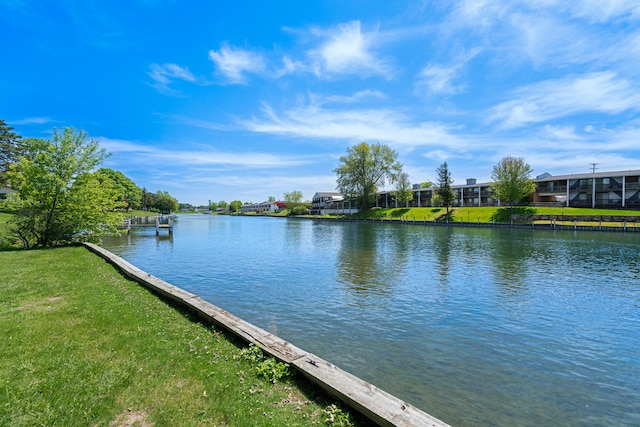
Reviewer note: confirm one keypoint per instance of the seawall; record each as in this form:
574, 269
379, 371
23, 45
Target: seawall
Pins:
376, 404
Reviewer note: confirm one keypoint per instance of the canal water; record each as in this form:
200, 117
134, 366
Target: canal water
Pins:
474, 326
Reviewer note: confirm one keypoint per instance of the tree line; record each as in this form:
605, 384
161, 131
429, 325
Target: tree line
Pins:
365, 168
60, 195
293, 200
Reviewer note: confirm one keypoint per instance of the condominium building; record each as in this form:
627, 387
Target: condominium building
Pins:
613, 190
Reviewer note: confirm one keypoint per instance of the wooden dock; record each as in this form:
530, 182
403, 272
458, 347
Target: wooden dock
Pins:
159, 222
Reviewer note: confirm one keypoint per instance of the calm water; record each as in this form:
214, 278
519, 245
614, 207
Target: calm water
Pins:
474, 326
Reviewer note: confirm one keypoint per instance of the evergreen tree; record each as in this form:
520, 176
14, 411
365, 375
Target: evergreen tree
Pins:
11, 149
443, 186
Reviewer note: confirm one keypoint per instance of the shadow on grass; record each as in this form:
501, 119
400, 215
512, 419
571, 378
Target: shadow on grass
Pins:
375, 213
397, 213
444, 215
504, 214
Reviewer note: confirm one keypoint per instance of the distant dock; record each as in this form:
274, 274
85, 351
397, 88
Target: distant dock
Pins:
159, 222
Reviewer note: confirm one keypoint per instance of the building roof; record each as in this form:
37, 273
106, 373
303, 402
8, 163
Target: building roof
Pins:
327, 194
547, 177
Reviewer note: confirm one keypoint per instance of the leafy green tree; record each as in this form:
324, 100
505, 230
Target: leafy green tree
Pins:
403, 191
426, 184
222, 204
295, 205
59, 200
363, 169
235, 206
164, 202
11, 149
512, 180
443, 187
271, 199
148, 200
131, 193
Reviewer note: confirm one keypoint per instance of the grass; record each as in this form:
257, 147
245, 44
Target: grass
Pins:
485, 214
81, 344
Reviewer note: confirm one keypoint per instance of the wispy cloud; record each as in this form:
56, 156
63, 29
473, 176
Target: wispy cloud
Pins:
443, 79
437, 79
33, 121
183, 158
603, 11
313, 120
539, 102
164, 75
234, 63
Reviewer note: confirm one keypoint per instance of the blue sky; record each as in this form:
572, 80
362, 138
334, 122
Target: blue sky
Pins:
218, 100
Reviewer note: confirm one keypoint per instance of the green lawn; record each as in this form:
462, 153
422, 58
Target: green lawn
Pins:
478, 214
82, 345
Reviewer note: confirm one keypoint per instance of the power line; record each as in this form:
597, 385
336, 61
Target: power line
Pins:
593, 167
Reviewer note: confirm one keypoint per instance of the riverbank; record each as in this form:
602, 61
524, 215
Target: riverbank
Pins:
494, 217
80, 344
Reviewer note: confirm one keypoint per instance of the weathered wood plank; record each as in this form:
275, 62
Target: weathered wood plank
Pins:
376, 404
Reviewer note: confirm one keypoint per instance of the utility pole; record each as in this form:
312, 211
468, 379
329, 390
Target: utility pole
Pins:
593, 185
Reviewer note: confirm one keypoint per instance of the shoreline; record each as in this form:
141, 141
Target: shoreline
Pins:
372, 402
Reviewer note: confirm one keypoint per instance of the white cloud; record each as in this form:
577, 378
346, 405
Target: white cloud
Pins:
234, 63
163, 75
183, 158
33, 121
383, 125
351, 99
550, 34
347, 50
438, 80
596, 92
603, 11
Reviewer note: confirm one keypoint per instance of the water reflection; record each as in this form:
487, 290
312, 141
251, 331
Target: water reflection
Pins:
442, 250
510, 255
360, 268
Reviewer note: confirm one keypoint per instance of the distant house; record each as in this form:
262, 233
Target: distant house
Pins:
331, 203
263, 207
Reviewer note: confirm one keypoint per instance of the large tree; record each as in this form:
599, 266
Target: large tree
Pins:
443, 186
403, 191
235, 206
131, 194
164, 202
512, 180
59, 200
363, 169
11, 149
295, 205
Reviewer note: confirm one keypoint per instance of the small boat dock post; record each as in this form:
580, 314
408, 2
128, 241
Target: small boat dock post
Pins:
164, 224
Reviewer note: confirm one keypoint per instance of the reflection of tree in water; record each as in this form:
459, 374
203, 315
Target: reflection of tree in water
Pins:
511, 251
442, 251
371, 257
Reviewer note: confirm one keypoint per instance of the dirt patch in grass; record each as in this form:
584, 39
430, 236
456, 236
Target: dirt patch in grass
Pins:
131, 419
